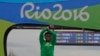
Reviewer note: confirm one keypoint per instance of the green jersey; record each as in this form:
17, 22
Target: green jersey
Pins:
47, 48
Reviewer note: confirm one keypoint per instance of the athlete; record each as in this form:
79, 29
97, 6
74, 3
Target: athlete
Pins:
47, 41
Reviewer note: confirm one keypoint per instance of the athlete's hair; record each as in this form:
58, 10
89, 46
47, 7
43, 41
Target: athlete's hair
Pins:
47, 33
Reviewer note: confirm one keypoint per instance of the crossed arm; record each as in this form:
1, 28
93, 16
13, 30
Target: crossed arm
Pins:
53, 34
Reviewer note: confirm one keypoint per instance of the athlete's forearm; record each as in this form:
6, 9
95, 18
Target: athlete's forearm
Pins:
42, 34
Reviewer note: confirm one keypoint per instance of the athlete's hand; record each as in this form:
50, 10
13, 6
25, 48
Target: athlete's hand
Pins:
51, 27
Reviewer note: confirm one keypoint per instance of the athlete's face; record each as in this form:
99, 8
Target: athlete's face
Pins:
48, 37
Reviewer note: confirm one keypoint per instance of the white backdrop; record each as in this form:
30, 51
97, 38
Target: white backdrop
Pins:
25, 42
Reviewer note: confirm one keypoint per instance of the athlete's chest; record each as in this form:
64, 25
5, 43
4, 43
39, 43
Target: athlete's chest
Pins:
48, 44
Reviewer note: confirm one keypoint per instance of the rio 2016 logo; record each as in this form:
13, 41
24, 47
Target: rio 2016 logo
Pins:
47, 14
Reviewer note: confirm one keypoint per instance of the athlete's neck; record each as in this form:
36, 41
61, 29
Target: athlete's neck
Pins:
47, 40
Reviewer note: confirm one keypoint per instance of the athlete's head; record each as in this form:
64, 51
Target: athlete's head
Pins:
47, 36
